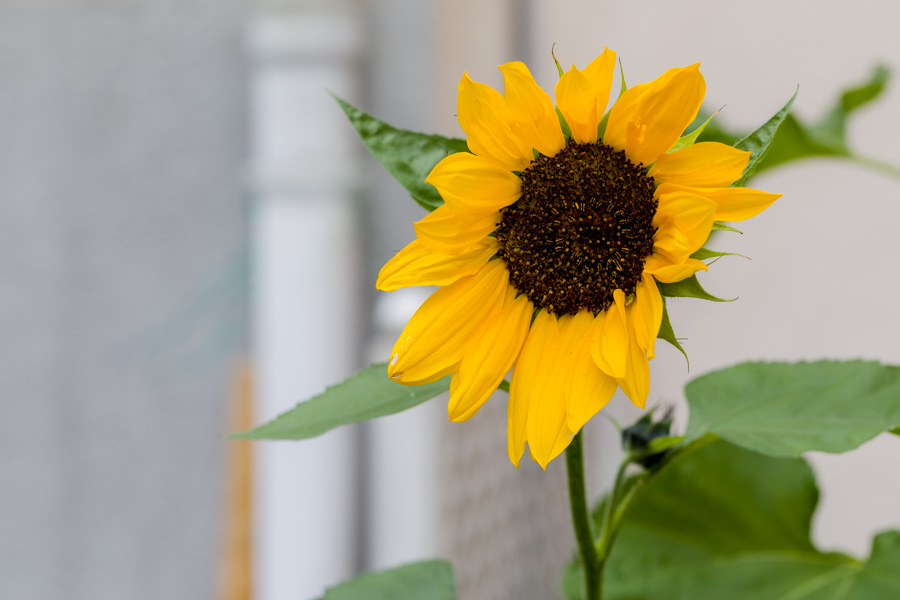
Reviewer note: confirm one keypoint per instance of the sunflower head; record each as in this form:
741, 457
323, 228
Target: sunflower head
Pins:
556, 228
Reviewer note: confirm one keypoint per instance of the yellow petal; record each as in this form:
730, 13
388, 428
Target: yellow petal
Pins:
489, 356
609, 346
582, 96
416, 265
546, 427
690, 214
530, 110
588, 389
732, 204
529, 375
472, 185
707, 164
647, 313
482, 115
636, 383
672, 272
443, 232
432, 343
648, 118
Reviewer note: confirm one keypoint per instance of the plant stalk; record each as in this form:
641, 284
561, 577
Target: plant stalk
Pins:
581, 519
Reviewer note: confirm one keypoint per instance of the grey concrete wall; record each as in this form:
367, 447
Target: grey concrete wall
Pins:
122, 293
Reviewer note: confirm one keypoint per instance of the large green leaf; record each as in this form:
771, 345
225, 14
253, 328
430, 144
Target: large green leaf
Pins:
408, 156
722, 522
431, 580
879, 577
798, 139
367, 395
785, 409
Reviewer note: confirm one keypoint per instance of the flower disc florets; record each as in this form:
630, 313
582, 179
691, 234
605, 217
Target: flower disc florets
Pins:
582, 228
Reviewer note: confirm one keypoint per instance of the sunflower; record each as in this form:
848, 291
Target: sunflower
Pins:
555, 229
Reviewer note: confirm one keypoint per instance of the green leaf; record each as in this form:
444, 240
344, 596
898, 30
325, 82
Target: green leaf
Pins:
797, 139
668, 334
878, 578
408, 156
688, 288
831, 131
758, 142
784, 409
896, 431
431, 580
722, 522
367, 395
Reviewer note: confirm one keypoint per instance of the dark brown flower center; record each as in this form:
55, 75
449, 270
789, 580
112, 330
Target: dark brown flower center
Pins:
582, 228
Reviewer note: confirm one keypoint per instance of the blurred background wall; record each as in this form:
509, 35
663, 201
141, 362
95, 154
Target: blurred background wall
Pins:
178, 192
123, 294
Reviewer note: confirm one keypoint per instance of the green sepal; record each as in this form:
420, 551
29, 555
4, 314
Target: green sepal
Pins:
664, 443
623, 87
688, 288
758, 142
706, 253
691, 138
368, 394
668, 334
720, 226
408, 156
559, 68
567, 131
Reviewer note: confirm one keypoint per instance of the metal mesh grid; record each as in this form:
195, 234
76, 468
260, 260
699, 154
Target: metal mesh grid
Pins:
507, 532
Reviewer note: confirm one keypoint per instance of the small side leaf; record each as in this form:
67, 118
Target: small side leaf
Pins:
367, 395
408, 156
430, 580
758, 142
688, 288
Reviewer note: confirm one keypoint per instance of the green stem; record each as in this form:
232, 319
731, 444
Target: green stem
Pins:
612, 516
612, 513
876, 165
581, 519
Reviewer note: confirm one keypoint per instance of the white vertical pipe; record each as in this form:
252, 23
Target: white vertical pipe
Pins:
304, 297
402, 507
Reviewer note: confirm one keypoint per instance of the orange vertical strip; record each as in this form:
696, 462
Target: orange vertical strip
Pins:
237, 560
